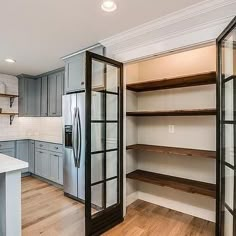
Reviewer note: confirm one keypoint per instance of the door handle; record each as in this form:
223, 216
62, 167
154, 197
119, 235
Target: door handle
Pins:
80, 140
73, 134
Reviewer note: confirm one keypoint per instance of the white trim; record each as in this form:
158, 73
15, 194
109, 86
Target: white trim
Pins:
197, 24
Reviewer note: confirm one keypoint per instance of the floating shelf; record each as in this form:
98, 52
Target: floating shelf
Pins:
11, 114
178, 82
195, 112
186, 185
11, 96
173, 150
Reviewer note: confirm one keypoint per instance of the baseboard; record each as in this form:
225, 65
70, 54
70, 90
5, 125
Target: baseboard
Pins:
131, 198
178, 206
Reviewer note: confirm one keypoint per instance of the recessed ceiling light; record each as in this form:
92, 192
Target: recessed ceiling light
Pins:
108, 5
9, 60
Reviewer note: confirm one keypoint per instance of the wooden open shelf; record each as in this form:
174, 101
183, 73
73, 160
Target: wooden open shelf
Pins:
186, 185
194, 112
11, 114
178, 82
173, 150
11, 96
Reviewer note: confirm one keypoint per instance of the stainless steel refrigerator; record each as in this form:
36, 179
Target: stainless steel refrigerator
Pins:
74, 145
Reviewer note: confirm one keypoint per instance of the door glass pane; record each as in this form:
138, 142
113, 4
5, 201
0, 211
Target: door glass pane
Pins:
97, 137
97, 109
111, 136
112, 163
229, 100
229, 187
97, 198
111, 192
113, 75
97, 167
112, 107
229, 143
228, 225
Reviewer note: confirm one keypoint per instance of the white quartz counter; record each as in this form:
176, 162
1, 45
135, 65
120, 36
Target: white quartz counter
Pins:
8, 164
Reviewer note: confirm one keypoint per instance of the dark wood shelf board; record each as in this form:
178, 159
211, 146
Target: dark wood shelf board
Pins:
194, 112
183, 81
186, 185
173, 150
8, 95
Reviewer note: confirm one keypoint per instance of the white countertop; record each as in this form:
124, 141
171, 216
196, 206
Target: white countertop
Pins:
8, 164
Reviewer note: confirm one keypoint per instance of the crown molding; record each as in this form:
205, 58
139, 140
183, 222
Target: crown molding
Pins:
211, 15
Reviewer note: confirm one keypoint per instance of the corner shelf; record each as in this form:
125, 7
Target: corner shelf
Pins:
11, 114
194, 112
186, 185
173, 150
178, 82
11, 96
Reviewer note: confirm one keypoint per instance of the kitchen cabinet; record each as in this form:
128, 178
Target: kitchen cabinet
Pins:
55, 92
75, 70
44, 96
42, 163
8, 148
29, 96
56, 167
22, 152
31, 156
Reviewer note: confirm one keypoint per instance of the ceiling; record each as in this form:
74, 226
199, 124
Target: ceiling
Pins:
38, 33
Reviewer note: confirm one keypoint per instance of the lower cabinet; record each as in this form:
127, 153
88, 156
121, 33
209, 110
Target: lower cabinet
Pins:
8, 148
22, 152
48, 164
31, 156
9, 152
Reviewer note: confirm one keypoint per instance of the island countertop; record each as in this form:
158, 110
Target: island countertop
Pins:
8, 164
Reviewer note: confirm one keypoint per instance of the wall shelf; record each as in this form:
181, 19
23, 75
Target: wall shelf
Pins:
11, 114
10, 96
194, 112
178, 82
186, 185
173, 150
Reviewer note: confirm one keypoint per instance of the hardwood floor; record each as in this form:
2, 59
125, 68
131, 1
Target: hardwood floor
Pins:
47, 212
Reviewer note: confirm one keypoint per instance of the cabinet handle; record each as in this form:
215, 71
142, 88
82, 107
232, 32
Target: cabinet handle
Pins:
55, 155
56, 148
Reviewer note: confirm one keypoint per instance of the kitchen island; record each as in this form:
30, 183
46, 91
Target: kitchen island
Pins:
10, 195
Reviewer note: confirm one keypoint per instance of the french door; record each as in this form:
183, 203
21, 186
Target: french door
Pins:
226, 132
104, 137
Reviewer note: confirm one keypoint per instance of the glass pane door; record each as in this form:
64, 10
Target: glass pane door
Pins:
226, 177
104, 186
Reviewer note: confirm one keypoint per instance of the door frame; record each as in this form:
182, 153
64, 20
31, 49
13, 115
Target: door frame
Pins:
112, 215
219, 166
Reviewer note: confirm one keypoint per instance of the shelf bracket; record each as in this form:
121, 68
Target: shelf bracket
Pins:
11, 101
11, 119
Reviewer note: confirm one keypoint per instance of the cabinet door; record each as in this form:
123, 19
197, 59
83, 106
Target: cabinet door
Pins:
44, 96
31, 156
31, 98
22, 101
42, 163
9, 152
56, 167
37, 97
22, 152
75, 73
55, 91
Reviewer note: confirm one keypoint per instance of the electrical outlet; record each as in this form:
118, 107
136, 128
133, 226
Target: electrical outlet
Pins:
171, 129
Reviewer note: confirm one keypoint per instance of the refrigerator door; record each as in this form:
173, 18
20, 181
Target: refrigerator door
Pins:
81, 145
70, 173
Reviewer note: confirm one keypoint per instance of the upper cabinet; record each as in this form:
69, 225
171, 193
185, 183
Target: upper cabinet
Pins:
55, 92
42, 95
75, 70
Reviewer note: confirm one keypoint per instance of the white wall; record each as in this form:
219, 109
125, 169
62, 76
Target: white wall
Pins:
190, 132
48, 129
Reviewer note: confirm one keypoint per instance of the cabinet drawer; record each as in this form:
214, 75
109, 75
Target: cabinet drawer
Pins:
41, 145
55, 147
8, 144
9, 152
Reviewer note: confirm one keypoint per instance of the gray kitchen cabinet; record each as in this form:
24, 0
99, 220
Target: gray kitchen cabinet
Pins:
22, 152
42, 163
44, 96
29, 96
55, 92
31, 156
56, 167
8, 148
75, 70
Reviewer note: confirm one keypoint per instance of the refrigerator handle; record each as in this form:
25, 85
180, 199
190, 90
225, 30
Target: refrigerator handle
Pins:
80, 139
74, 135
